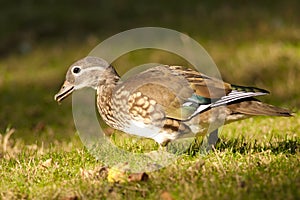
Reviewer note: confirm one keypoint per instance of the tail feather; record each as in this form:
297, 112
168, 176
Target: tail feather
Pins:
254, 108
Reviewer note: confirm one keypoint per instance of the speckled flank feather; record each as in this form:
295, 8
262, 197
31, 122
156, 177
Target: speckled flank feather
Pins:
141, 106
165, 102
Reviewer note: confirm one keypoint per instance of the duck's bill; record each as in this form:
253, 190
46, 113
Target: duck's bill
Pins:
65, 91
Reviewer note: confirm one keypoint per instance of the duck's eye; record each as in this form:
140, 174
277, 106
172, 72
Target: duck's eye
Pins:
76, 70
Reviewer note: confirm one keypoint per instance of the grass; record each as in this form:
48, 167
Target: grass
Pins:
41, 156
252, 161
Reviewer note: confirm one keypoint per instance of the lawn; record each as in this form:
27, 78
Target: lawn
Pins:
41, 155
255, 159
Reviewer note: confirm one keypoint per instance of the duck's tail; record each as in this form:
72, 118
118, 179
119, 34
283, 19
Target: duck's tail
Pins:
254, 107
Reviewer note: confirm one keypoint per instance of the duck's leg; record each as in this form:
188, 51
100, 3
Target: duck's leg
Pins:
210, 140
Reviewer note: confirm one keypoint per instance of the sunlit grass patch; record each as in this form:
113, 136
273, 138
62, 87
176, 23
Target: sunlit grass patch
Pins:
255, 158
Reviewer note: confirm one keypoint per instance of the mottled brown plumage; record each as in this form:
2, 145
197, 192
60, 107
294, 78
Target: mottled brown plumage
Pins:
165, 102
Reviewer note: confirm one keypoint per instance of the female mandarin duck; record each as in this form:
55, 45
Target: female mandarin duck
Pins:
165, 102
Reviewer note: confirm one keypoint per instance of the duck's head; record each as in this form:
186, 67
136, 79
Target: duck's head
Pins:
87, 72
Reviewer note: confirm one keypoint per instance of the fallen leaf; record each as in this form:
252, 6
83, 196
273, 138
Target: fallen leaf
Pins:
70, 198
103, 172
138, 177
116, 176
166, 196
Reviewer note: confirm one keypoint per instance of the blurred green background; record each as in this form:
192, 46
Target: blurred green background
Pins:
255, 43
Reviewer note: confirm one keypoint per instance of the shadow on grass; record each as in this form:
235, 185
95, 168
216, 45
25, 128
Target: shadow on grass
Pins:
241, 146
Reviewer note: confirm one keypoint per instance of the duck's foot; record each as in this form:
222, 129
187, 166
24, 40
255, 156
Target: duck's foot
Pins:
204, 144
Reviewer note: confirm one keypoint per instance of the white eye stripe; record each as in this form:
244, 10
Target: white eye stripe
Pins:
94, 68
76, 70
89, 68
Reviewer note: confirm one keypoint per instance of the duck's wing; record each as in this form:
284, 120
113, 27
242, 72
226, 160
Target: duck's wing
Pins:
183, 94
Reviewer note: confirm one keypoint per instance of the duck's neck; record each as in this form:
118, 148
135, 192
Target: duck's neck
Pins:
104, 94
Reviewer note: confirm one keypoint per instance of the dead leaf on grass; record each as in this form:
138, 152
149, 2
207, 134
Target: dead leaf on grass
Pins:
166, 196
138, 177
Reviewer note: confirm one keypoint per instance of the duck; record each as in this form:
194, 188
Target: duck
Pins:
165, 102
